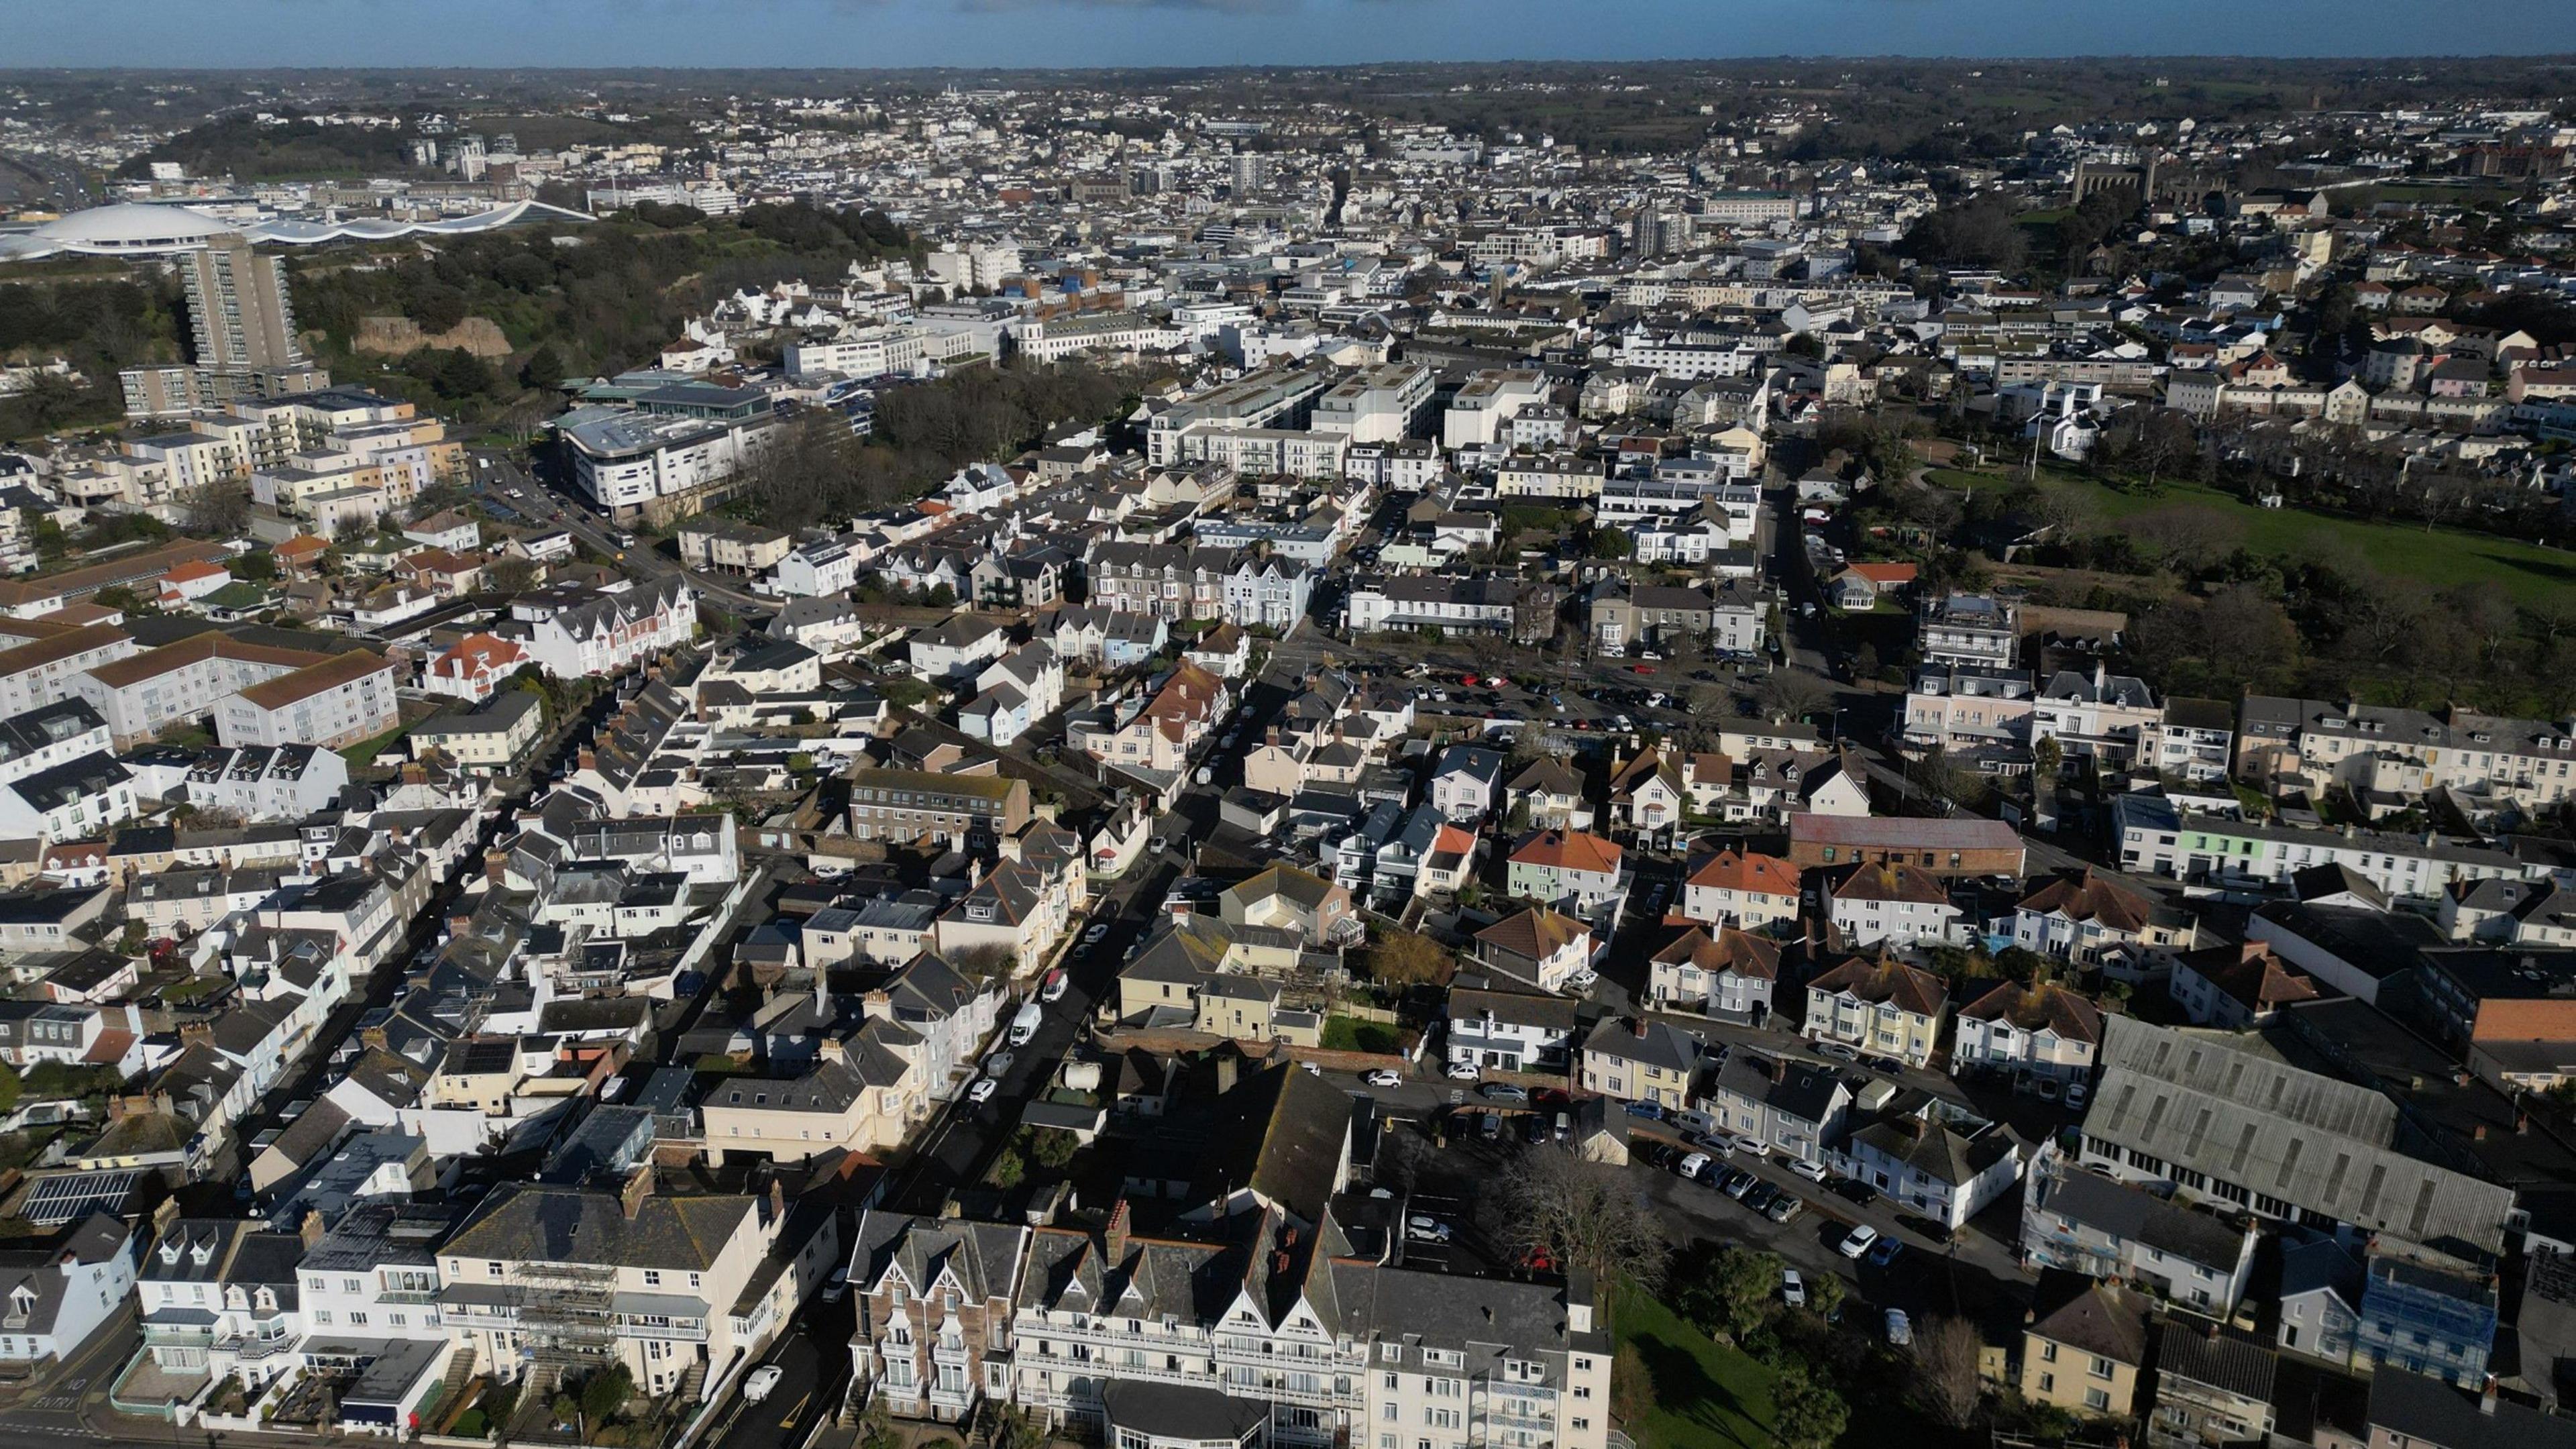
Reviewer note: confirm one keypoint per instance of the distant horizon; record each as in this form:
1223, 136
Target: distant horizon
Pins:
1034, 35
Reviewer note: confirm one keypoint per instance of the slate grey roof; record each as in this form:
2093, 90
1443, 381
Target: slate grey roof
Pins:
530, 1223
2133, 1214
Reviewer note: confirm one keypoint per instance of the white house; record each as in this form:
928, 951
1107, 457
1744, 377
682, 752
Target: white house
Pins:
2042, 1036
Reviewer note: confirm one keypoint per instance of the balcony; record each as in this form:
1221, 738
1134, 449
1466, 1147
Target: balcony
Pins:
252, 1350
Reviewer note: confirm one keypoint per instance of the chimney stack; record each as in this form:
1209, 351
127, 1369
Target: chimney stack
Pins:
638, 1187
1116, 1237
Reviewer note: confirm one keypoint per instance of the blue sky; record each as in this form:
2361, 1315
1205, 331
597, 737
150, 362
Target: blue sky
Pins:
1216, 32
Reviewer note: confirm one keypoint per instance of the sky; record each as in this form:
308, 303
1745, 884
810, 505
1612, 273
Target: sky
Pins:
260, 33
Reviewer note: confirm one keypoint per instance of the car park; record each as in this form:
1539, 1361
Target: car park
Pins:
1857, 1241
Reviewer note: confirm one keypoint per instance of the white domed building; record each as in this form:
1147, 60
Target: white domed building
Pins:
142, 228
126, 229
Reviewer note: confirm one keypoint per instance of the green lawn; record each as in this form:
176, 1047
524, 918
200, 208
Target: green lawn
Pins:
2440, 557
364, 752
1700, 1394
1350, 1034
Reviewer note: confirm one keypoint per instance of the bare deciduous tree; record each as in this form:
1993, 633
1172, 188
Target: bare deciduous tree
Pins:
1793, 694
1945, 1371
214, 509
1586, 1215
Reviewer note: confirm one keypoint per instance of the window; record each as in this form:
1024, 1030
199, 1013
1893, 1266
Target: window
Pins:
2096, 1400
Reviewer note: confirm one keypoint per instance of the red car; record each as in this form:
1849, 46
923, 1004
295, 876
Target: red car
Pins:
1641, 669
1468, 680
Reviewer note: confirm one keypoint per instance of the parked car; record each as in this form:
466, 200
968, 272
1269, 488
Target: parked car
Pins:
1938, 1232
1784, 1207
1582, 978
1428, 1230
1158, 845
1807, 1168
982, 1091
1856, 1192
1053, 988
1737, 1183
1752, 1146
1383, 1078
1646, 1110
1693, 1165
1857, 1241
1491, 1127
1793, 1289
1837, 1051
1098, 929
1877, 1062
1900, 1329
1760, 1197
762, 1382
1503, 1092
1884, 1252
1459, 1071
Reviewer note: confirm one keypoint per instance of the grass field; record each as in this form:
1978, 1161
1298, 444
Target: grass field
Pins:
1701, 1394
2439, 557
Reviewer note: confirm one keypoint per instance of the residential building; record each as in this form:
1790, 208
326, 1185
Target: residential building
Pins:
1494, 1028
1538, 946
1888, 904
1726, 973
1742, 888
2091, 1223
1566, 869
2085, 1347
2042, 1037
1641, 1060
675, 1288
1882, 1006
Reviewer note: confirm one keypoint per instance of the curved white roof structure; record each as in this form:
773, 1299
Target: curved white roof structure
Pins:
136, 228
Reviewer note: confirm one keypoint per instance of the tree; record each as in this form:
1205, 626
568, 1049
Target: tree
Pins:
1585, 1215
1805, 1413
1792, 694
1825, 1292
1728, 1291
606, 1392
1408, 959
1945, 1371
510, 574
1610, 543
2047, 756
1016, 1429
214, 510
543, 369
436, 308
